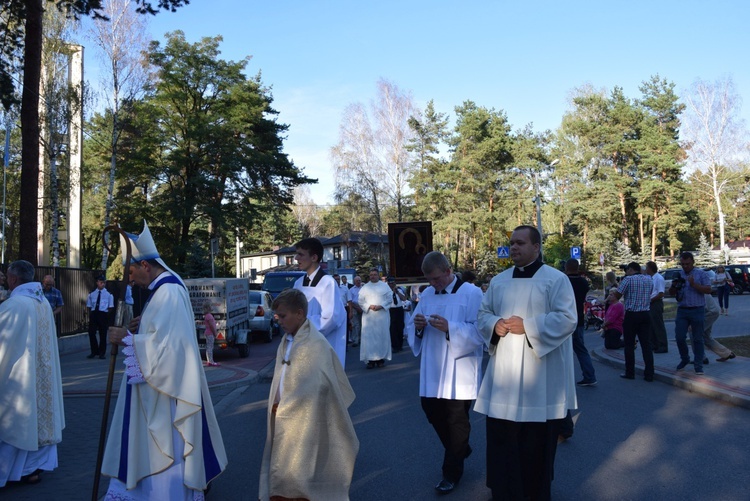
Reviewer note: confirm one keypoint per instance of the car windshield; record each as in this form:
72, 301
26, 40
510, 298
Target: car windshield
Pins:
253, 297
279, 283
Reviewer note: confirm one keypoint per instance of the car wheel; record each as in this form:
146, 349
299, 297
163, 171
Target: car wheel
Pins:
737, 290
244, 350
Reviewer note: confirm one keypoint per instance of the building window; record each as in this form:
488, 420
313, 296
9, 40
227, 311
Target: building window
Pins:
289, 260
337, 253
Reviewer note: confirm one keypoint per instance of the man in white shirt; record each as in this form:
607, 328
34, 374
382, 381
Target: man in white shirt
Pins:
100, 302
659, 340
325, 308
444, 332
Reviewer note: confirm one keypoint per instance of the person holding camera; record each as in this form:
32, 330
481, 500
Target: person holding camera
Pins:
689, 289
636, 288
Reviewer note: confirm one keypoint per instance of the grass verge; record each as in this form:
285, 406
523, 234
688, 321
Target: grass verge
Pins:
740, 345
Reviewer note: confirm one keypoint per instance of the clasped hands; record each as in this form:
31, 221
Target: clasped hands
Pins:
436, 321
514, 325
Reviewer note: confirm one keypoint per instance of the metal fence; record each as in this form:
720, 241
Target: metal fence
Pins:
75, 285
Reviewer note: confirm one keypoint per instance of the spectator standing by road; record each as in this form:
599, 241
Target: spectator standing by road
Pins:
54, 298
397, 315
613, 319
712, 314
443, 331
31, 414
3, 290
355, 311
99, 303
580, 289
689, 290
375, 298
210, 323
722, 281
636, 288
526, 319
659, 341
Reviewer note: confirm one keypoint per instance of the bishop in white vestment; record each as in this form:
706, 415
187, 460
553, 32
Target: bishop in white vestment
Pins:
31, 400
164, 442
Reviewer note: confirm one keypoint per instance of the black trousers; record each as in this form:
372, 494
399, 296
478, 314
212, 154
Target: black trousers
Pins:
521, 459
638, 323
98, 321
450, 418
397, 328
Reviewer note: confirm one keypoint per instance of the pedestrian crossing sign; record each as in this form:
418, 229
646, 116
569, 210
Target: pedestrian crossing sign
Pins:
503, 252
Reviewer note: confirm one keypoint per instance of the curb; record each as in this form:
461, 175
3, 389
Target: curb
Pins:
696, 384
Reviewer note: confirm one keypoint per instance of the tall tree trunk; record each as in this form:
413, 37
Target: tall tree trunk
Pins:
624, 220
110, 187
32, 67
653, 237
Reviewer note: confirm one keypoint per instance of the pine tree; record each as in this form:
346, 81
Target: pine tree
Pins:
622, 254
704, 257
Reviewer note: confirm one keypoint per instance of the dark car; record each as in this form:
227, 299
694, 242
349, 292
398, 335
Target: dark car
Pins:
740, 274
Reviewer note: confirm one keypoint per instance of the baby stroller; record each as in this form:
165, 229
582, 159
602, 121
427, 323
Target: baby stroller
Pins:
593, 313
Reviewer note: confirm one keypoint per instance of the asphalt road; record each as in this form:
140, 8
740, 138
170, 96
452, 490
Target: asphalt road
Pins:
633, 440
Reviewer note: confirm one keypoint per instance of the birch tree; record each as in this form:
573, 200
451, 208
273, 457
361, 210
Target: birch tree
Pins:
122, 40
371, 158
714, 137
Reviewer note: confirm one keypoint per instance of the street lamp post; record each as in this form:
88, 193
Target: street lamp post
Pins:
539, 205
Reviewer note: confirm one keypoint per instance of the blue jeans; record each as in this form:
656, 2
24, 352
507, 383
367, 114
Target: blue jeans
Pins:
584, 359
722, 294
695, 318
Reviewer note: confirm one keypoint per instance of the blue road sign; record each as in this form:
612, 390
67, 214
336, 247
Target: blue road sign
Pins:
575, 252
503, 252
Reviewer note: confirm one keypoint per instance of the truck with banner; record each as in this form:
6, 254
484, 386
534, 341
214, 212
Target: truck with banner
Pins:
228, 300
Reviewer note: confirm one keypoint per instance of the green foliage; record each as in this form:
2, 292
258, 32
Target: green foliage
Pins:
621, 255
557, 250
704, 256
363, 259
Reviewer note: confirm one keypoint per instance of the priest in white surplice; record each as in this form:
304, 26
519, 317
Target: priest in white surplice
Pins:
443, 330
164, 442
31, 400
375, 298
527, 318
325, 307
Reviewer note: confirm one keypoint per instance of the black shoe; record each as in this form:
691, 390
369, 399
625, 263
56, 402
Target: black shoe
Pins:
445, 486
627, 376
587, 382
370, 365
90, 356
354, 345
648, 379
661, 351
681, 365
699, 372
724, 359
380, 363
102, 357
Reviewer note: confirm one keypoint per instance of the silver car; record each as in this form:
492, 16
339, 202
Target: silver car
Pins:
260, 313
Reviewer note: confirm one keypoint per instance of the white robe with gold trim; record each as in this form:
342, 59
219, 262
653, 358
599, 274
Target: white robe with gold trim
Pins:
311, 445
31, 401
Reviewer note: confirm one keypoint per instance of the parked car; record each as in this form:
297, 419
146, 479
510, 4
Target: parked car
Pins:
740, 274
673, 273
260, 314
276, 281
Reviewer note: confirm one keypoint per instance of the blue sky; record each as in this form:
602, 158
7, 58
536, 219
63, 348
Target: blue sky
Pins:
523, 57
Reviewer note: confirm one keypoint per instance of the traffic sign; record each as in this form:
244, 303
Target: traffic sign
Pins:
575, 252
503, 252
